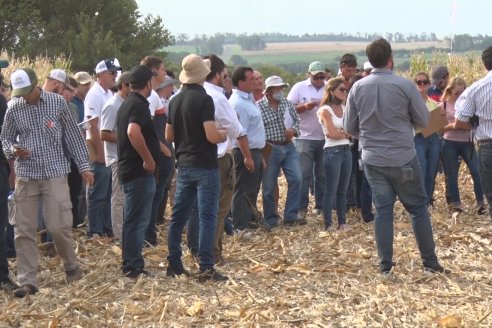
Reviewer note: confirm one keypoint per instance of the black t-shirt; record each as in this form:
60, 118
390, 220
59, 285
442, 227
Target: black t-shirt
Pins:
188, 110
135, 109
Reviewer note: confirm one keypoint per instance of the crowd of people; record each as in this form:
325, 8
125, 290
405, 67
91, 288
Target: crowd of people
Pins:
117, 149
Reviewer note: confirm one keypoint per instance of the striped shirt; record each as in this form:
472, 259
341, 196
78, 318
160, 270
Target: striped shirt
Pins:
477, 100
45, 129
274, 120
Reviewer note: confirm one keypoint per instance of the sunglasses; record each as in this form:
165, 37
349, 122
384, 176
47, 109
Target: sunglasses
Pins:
422, 82
342, 89
319, 77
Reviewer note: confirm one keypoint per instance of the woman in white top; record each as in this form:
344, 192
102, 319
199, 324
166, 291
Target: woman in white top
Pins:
337, 158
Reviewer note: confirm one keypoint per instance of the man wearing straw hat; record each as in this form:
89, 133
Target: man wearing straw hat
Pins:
191, 126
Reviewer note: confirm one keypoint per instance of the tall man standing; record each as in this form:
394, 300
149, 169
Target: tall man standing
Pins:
38, 131
99, 202
384, 123
191, 126
475, 104
306, 96
138, 149
247, 179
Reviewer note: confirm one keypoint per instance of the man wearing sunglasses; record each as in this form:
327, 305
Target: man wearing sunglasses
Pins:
306, 96
99, 206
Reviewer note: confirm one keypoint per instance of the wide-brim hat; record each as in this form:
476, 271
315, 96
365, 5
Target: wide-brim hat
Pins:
195, 69
274, 81
82, 77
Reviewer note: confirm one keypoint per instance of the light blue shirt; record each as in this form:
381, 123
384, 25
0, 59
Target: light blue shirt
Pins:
249, 117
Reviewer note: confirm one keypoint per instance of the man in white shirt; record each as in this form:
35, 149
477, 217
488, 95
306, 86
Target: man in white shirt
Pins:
306, 96
99, 205
109, 138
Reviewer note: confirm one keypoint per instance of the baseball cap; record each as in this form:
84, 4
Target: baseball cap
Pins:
4, 63
167, 81
107, 65
82, 77
141, 73
367, 66
316, 68
23, 81
274, 81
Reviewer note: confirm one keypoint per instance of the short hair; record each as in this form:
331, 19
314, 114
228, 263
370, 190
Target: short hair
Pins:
216, 66
152, 62
348, 60
170, 74
487, 58
240, 74
379, 52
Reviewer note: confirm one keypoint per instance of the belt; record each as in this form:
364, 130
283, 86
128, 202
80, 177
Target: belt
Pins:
484, 141
339, 147
279, 143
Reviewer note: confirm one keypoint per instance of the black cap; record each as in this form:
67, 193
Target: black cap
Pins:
141, 73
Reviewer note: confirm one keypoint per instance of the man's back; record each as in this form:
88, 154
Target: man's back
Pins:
383, 110
188, 110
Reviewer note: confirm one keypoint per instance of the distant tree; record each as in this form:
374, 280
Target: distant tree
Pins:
251, 42
237, 60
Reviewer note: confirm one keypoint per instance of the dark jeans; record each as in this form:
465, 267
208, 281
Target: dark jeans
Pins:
164, 166
193, 229
246, 188
485, 167
4, 214
353, 191
428, 151
99, 207
202, 184
406, 182
451, 151
311, 160
138, 204
75, 185
366, 200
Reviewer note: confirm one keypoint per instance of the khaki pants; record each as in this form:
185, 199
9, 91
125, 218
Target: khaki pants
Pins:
227, 173
117, 203
57, 213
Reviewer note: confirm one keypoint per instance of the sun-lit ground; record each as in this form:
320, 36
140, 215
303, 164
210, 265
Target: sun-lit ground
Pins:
292, 277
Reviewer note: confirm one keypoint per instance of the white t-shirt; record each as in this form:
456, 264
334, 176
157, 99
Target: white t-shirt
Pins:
94, 102
337, 123
108, 123
155, 103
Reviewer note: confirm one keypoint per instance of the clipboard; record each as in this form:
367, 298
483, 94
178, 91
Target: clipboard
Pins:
436, 122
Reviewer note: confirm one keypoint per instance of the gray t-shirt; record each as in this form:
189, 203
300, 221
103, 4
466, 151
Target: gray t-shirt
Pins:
108, 123
382, 110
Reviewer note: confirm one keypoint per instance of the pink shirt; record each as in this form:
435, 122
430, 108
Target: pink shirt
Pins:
454, 135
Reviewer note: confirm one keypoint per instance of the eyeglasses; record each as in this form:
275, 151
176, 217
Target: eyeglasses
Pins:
422, 82
319, 77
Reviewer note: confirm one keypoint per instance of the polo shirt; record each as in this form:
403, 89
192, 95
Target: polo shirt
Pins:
94, 102
108, 123
309, 127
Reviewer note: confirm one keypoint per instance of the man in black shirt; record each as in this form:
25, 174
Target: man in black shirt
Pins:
191, 126
138, 149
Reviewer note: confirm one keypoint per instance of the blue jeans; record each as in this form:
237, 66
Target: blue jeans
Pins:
287, 159
204, 185
428, 151
311, 159
451, 151
164, 167
193, 229
485, 168
138, 203
338, 166
4, 215
406, 182
99, 207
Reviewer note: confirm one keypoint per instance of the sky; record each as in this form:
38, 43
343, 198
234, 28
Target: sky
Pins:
196, 17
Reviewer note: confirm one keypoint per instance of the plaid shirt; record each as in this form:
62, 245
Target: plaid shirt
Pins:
275, 120
49, 131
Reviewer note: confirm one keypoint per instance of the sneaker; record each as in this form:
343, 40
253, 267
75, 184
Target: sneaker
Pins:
173, 271
295, 223
25, 290
211, 274
8, 285
481, 210
436, 268
73, 275
134, 274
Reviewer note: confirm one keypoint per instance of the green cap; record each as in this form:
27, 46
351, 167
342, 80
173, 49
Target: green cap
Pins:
4, 63
316, 68
23, 81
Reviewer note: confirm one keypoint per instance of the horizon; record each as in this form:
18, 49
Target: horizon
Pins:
442, 17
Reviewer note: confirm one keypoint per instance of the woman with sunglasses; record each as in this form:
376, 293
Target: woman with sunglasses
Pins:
337, 158
428, 149
458, 143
